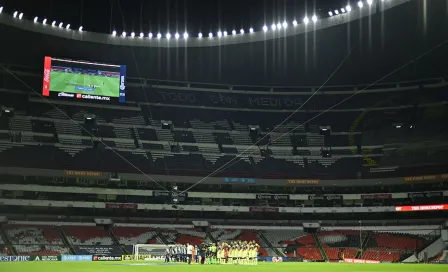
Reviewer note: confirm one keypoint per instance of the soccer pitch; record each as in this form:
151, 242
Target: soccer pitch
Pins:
66, 82
262, 267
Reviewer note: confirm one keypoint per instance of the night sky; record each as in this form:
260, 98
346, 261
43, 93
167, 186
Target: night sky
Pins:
171, 15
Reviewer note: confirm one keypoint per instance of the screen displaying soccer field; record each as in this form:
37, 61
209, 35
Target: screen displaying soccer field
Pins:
84, 80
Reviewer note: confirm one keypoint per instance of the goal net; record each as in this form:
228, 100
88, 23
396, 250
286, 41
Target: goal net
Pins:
148, 252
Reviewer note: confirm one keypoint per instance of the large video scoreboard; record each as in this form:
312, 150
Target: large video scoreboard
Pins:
84, 80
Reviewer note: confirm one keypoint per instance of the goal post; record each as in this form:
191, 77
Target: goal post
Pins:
149, 252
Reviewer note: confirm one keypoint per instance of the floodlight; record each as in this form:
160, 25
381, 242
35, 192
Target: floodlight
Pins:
123, 34
360, 4
200, 35
53, 23
336, 11
1, 9
132, 34
314, 18
142, 35
348, 8
370, 2
251, 30
21, 16
168, 36
330, 13
159, 35
67, 26
44, 21
35, 19
61, 24
80, 28
225, 33
219, 34
285, 24
150, 35
234, 32
114, 33
294, 23
186, 35
343, 10
176, 36
15, 14
210, 35
242, 31
306, 20
265, 28
273, 26
279, 26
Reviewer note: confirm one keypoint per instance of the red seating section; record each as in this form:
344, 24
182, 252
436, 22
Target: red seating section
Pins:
84, 233
381, 255
397, 241
129, 232
310, 253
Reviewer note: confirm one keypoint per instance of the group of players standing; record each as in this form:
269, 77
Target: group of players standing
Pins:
234, 252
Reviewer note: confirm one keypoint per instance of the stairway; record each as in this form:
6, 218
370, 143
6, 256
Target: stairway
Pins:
162, 238
7, 241
270, 246
115, 240
65, 240
363, 245
209, 236
320, 247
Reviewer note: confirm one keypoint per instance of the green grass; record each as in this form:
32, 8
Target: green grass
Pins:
262, 267
58, 83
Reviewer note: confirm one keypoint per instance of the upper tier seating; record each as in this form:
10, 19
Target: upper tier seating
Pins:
135, 235
183, 236
33, 235
282, 238
87, 235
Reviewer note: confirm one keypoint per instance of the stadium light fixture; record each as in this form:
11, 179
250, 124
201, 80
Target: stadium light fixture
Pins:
348, 8
67, 27
1, 9
336, 11
159, 36
360, 4
251, 30
21, 16
15, 14
114, 33
185, 35
285, 24
35, 19
306, 20
273, 26
80, 29
330, 13
142, 35
132, 34
234, 32
279, 26
200, 35
219, 34
265, 28
314, 18
150, 35
123, 34
210, 35
343, 10
176, 36
44, 21
54, 23
294, 23
370, 2
225, 33
242, 31
61, 24
168, 35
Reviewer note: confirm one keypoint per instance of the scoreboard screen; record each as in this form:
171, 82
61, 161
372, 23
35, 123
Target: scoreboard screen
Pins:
84, 80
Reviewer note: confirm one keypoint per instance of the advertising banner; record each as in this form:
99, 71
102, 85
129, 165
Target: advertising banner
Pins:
376, 196
239, 180
360, 261
127, 257
424, 178
15, 258
45, 258
425, 195
302, 181
76, 258
98, 250
82, 173
326, 200
106, 258
273, 197
158, 193
121, 206
439, 207
264, 209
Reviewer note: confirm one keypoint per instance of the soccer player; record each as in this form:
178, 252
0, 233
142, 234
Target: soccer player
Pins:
189, 253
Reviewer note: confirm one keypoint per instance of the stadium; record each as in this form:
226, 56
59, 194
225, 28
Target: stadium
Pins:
313, 136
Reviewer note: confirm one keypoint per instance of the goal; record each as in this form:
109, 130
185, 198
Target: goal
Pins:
149, 252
